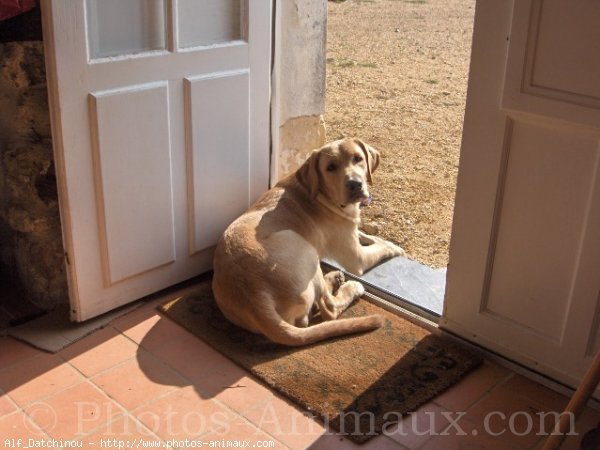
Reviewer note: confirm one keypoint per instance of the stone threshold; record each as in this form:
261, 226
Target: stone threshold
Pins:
407, 283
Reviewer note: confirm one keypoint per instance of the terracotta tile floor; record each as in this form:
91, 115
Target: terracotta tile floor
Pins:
143, 380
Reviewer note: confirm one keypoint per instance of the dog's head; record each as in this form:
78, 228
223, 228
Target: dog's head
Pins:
341, 171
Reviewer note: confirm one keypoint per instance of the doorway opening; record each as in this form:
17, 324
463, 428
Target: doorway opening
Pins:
397, 75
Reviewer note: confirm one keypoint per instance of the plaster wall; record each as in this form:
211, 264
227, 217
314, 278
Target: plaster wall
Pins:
298, 82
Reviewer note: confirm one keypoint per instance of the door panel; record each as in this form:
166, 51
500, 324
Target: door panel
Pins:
153, 142
552, 67
117, 27
555, 54
217, 120
225, 24
524, 272
548, 176
132, 170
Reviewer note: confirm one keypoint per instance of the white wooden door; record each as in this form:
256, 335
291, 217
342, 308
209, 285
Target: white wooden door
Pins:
160, 114
524, 273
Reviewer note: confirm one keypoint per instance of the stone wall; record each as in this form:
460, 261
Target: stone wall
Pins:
31, 251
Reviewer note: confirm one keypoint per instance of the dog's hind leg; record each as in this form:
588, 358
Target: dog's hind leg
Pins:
333, 280
347, 294
331, 306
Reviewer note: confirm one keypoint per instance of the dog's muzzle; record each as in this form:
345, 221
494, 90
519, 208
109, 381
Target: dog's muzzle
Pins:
356, 190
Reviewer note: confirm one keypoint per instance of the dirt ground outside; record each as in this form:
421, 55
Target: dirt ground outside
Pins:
397, 77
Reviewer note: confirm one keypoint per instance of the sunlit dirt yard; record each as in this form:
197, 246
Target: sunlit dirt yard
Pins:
397, 77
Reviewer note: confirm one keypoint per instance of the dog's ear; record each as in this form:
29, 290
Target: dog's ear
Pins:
371, 157
308, 174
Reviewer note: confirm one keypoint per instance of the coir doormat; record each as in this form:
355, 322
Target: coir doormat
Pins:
357, 384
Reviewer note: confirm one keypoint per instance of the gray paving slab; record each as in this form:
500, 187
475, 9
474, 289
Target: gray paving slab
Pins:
411, 281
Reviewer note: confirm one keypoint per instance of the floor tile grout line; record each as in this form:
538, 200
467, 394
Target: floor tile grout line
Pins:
43, 398
325, 430
127, 411
249, 422
22, 410
10, 400
261, 404
126, 361
298, 408
189, 382
130, 412
254, 408
236, 414
138, 423
501, 382
174, 388
141, 316
430, 437
398, 444
49, 437
42, 353
102, 372
139, 313
163, 363
162, 316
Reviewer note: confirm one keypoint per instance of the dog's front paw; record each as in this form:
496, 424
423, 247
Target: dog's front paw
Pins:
395, 250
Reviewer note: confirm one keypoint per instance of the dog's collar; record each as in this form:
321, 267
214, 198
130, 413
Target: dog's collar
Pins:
338, 210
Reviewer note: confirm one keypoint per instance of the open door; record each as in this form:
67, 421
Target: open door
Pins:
524, 272
160, 117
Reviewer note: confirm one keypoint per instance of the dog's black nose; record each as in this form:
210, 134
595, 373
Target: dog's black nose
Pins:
354, 186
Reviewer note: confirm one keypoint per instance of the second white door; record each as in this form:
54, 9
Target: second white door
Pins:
524, 273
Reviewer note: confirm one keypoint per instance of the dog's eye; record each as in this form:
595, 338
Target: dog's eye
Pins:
356, 159
331, 167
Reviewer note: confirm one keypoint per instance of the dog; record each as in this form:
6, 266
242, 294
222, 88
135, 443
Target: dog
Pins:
267, 275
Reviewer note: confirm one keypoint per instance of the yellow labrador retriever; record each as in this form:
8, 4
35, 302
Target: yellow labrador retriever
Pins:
267, 277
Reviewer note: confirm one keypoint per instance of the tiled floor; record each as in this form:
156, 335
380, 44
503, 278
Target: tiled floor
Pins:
145, 381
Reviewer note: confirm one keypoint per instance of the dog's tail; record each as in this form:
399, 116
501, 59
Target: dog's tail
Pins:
281, 332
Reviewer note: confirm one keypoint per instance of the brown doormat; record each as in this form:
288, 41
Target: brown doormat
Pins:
356, 384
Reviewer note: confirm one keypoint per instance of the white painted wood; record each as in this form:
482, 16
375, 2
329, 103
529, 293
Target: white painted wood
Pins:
523, 278
552, 68
132, 169
536, 249
138, 26
223, 22
219, 153
119, 131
